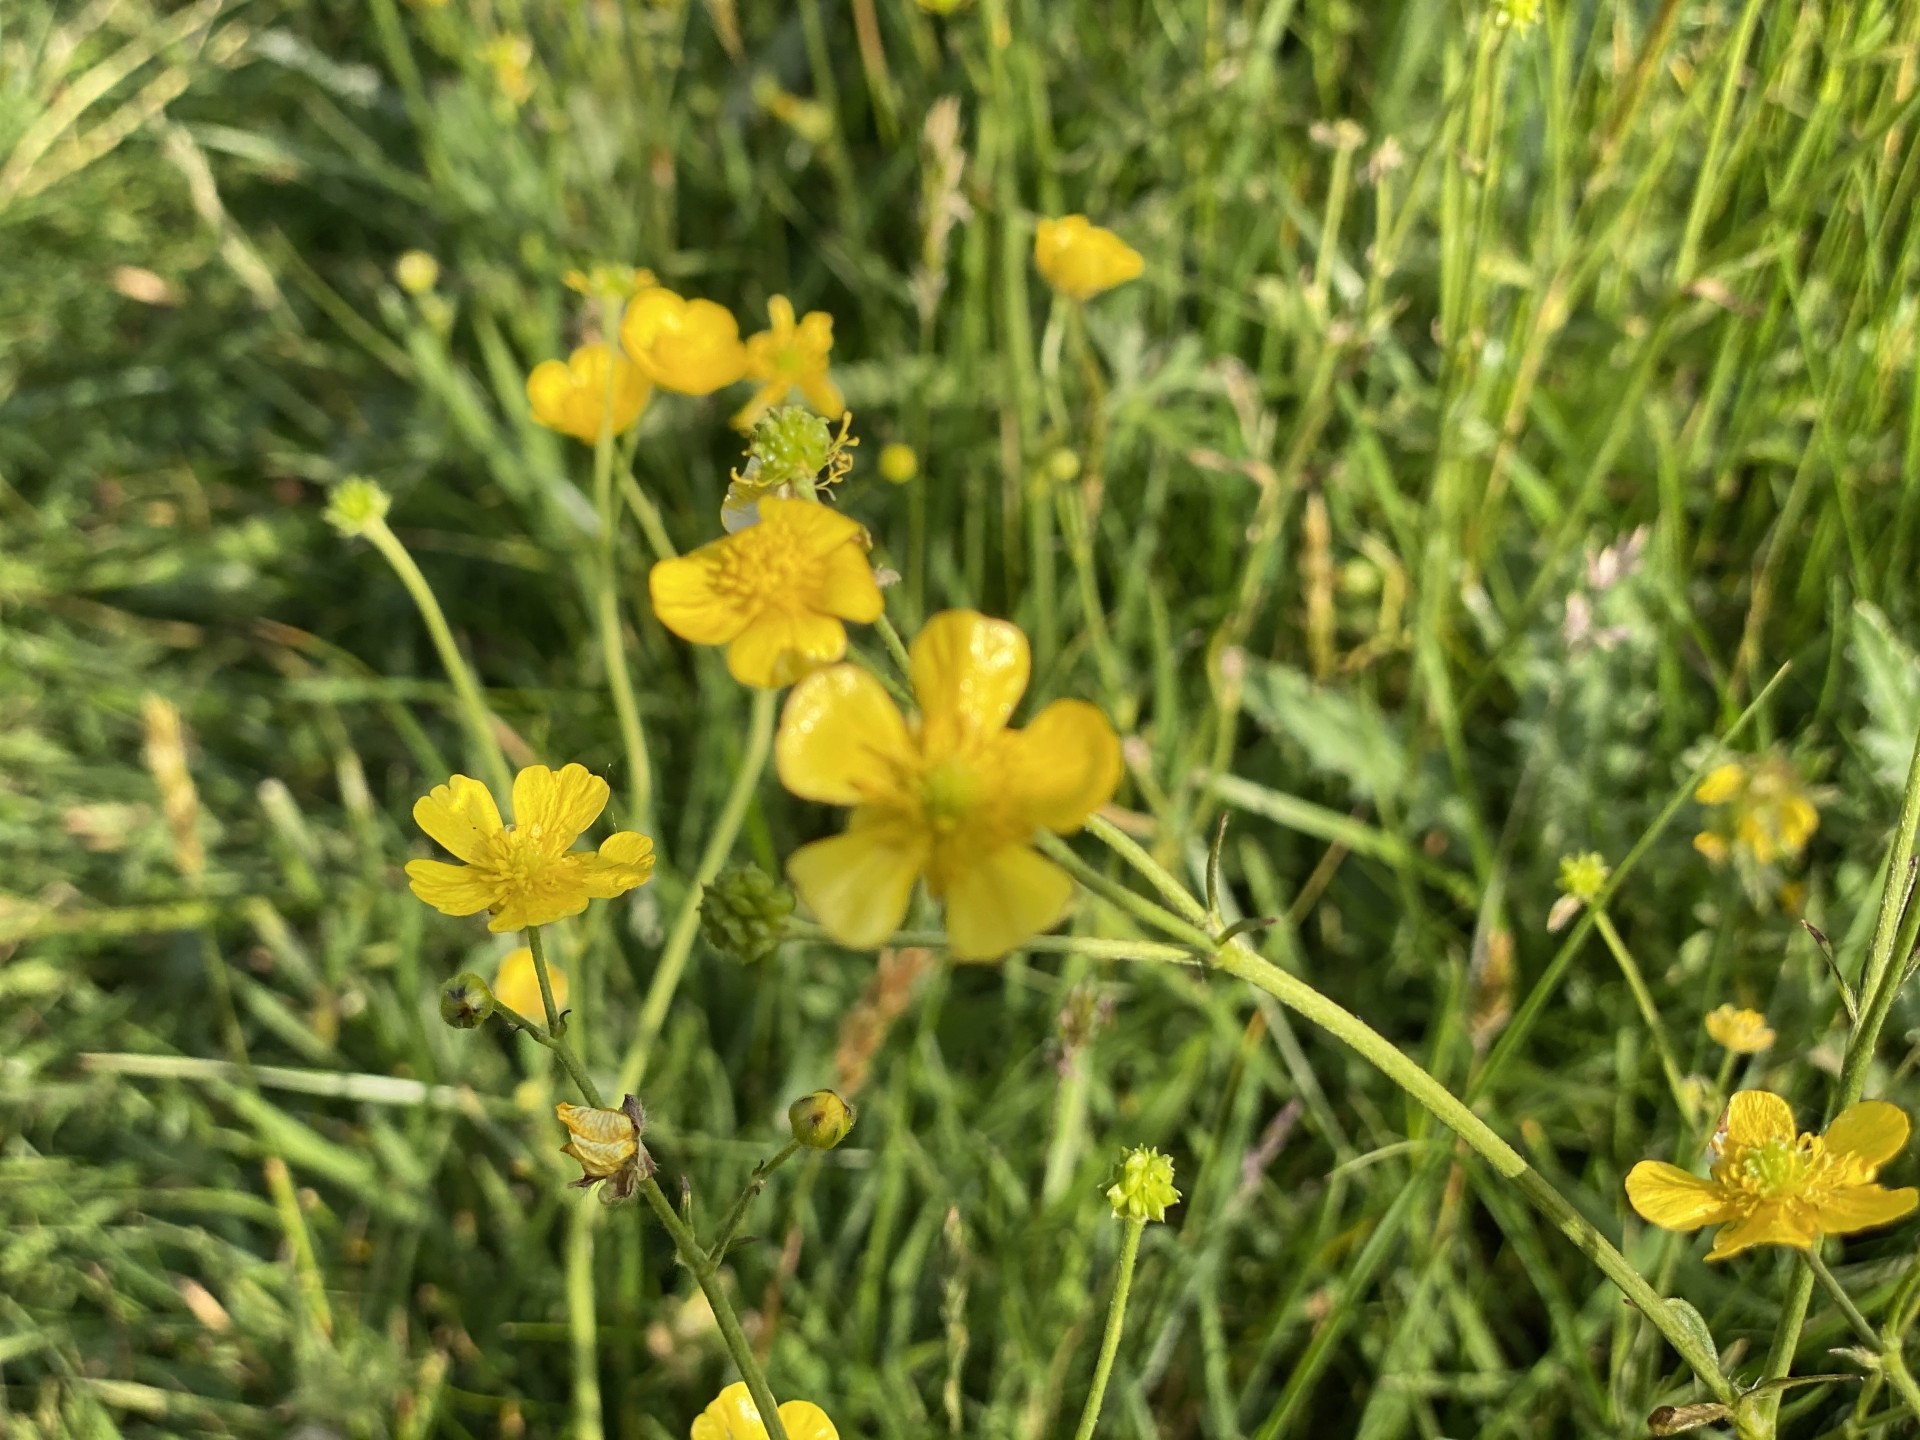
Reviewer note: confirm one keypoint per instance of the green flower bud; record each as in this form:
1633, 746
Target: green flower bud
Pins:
357, 505
1145, 1187
744, 913
821, 1120
791, 444
466, 1002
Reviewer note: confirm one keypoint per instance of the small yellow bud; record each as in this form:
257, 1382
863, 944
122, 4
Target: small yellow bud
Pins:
1061, 466
898, 463
357, 505
1145, 1187
417, 272
466, 1002
821, 1120
1583, 876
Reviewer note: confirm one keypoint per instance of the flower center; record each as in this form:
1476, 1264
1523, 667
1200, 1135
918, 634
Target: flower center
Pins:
762, 564
949, 791
1776, 1167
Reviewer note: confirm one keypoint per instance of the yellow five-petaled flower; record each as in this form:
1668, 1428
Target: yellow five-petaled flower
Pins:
734, 1416
526, 873
692, 346
1079, 258
953, 795
775, 594
573, 395
1770, 1185
786, 357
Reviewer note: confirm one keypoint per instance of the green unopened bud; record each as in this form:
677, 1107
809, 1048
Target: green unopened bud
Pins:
791, 444
357, 505
744, 913
821, 1120
466, 1002
1145, 1187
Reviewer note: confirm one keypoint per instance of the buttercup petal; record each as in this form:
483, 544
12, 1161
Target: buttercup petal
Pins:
549, 390
1862, 1207
555, 808
1769, 1224
1868, 1134
1674, 1199
517, 986
1066, 764
823, 395
764, 399
1720, 785
840, 737
816, 529
806, 1421
777, 649
1755, 1117
460, 815
1000, 900
450, 889
968, 673
858, 884
623, 862
688, 602
526, 907
847, 587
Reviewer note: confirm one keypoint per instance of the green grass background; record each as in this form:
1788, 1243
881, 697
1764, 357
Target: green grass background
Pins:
1373, 406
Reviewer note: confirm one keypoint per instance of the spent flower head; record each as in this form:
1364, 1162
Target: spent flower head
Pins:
356, 505
1744, 1032
607, 1145
776, 594
1145, 1187
954, 796
1770, 1185
790, 452
734, 1416
526, 873
744, 913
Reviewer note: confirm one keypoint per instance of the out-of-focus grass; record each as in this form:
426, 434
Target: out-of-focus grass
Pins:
1642, 266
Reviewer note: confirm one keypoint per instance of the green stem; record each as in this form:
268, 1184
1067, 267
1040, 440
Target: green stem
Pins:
1088, 945
1636, 982
1121, 898
472, 707
1892, 1363
1110, 1342
686, 924
607, 606
551, 1037
891, 638
707, 1274
717, 1251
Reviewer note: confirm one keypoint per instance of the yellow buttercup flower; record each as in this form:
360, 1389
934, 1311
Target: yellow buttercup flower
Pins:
1771, 1186
517, 985
571, 395
692, 346
1744, 1032
734, 1416
526, 873
1765, 812
1079, 258
509, 56
954, 795
774, 594
786, 357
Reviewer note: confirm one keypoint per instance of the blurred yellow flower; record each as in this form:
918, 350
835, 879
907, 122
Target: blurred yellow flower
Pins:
1744, 1032
417, 272
525, 873
516, 985
609, 282
1081, 259
734, 1416
898, 463
1766, 813
509, 56
954, 796
607, 1145
1771, 1186
692, 346
786, 357
774, 594
571, 395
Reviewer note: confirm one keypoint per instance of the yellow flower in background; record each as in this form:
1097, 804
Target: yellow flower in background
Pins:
609, 282
517, 985
1771, 1186
954, 795
774, 594
526, 873
734, 1416
1765, 811
692, 346
898, 463
1079, 258
786, 357
571, 395
509, 56
1744, 1032
416, 272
